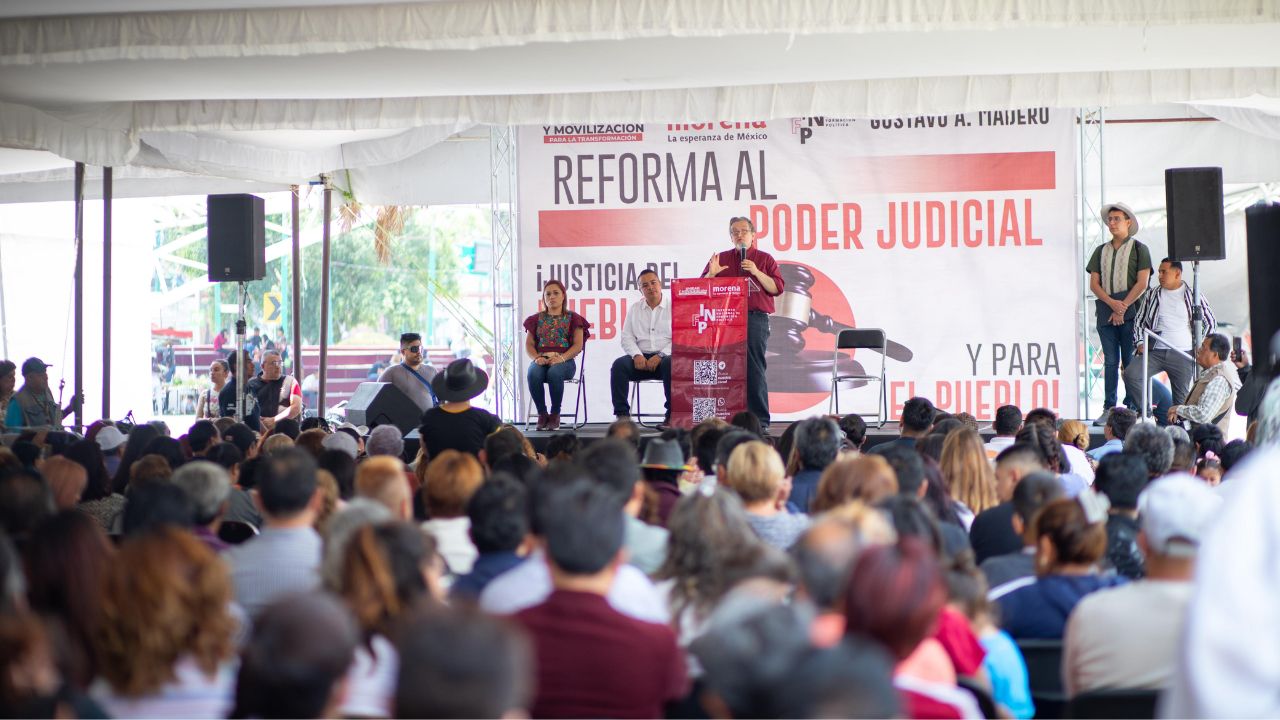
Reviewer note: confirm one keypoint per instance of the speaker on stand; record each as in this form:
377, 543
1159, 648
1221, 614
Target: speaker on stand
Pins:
1263, 224
1197, 227
237, 252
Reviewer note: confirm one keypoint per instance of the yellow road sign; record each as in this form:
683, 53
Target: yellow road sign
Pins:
271, 306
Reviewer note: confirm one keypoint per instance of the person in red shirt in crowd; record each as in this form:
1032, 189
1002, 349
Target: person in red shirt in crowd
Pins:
593, 661
894, 596
746, 260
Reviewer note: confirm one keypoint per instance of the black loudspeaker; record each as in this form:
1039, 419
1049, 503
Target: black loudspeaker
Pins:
377, 403
237, 238
1193, 199
1263, 225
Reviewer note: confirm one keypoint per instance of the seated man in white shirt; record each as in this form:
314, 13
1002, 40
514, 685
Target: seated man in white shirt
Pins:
1007, 423
1127, 637
646, 340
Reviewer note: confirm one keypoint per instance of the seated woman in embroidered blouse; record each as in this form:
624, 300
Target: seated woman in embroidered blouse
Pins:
554, 338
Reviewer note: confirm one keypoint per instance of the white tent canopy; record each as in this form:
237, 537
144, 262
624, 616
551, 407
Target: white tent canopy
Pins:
274, 92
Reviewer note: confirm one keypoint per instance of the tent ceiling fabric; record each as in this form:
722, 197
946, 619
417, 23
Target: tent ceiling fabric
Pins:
278, 91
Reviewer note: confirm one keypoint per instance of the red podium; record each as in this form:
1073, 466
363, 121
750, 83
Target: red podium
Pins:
708, 349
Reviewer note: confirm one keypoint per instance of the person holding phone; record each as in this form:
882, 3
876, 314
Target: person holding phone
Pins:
1119, 271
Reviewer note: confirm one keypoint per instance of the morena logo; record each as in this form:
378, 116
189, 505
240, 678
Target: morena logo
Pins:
734, 289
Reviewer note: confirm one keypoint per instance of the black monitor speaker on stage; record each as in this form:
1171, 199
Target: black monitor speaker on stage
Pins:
1197, 227
379, 403
237, 234
1263, 224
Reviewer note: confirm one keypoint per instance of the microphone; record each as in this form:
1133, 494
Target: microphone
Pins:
742, 253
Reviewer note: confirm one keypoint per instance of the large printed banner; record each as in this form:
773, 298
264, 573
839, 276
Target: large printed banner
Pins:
954, 233
708, 349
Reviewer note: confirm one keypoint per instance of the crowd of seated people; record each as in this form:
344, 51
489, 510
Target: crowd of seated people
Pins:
304, 570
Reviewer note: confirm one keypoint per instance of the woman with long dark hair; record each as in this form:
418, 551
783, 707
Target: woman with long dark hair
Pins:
139, 437
66, 561
88, 455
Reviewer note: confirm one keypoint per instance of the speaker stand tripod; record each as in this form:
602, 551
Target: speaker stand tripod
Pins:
1197, 316
242, 295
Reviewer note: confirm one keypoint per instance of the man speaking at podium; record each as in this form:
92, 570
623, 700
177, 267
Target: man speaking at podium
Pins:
764, 283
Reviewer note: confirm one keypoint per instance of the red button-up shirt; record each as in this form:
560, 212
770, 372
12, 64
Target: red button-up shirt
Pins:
757, 299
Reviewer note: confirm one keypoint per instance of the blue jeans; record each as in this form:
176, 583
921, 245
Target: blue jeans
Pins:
553, 376
1117, 350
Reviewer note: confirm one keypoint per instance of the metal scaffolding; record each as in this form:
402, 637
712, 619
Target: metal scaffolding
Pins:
504, 282
1091, 190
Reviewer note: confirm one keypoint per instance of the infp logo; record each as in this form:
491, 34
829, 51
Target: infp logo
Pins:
805, 126
705, 317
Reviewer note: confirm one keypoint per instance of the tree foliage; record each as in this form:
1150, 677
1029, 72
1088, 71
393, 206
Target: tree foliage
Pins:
386, 294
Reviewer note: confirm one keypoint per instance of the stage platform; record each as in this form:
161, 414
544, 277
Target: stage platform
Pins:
594, 431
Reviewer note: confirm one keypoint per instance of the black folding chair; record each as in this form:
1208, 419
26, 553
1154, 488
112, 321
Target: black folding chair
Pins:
860, 339
579, 414
1117, 703
639, 414
1044, 675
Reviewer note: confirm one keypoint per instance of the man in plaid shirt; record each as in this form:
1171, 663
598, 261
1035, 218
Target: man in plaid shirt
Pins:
1215, 392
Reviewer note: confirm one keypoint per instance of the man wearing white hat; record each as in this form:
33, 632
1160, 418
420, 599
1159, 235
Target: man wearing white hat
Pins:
111, 441
1119, 271
1127, 637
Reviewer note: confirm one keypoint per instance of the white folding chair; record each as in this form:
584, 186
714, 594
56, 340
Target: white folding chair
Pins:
860, 339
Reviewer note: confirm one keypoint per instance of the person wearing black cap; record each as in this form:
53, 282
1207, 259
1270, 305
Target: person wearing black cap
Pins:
454, 424
1119, 271
33, 405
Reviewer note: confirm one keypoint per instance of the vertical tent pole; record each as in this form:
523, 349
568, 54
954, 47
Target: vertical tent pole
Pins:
106, 292
78, 301
324, 293
295, 314
4, 320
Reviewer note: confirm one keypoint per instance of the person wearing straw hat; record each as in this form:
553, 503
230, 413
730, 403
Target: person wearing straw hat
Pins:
454, 424
1119, 271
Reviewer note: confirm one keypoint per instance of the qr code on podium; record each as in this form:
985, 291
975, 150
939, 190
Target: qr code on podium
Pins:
703, 409
705, 372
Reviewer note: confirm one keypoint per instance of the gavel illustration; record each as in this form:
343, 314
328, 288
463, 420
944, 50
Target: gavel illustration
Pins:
794, 313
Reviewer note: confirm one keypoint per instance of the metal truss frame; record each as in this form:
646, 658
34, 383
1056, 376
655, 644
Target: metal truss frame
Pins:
1091, 191
504, 279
